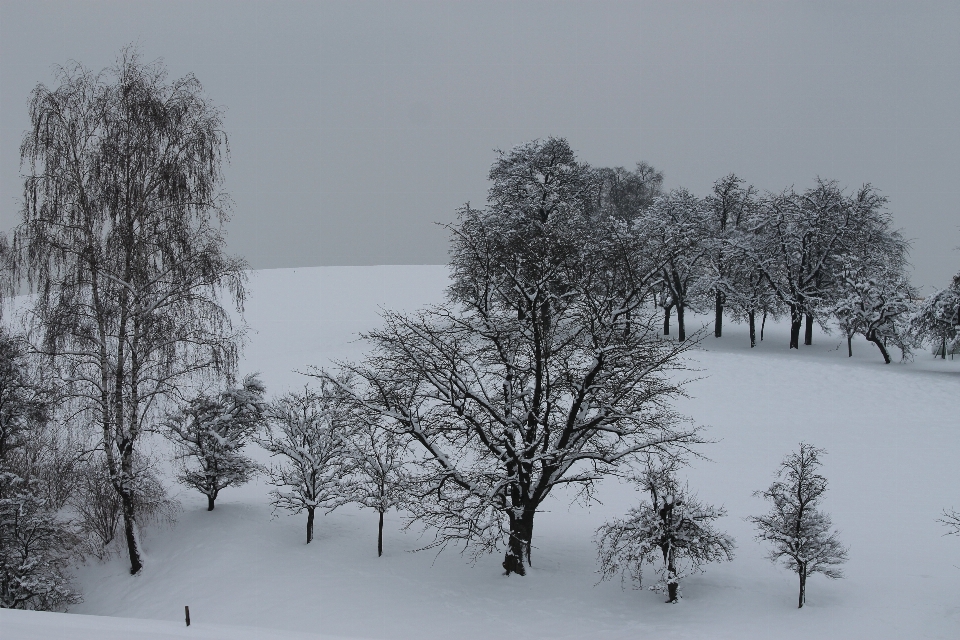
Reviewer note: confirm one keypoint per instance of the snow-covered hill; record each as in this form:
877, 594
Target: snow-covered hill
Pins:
893, 441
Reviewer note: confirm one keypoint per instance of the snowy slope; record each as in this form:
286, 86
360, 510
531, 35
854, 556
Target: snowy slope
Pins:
892, 438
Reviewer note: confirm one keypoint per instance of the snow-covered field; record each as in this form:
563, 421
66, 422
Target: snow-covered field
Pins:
893, 439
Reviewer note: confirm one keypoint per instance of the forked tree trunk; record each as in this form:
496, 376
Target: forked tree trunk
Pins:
808, 333
718, 320
753, 328
518, 546
666, 320
310, 511
681, 330
380, 536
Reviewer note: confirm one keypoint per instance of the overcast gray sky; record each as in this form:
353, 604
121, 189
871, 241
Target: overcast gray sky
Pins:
354, 126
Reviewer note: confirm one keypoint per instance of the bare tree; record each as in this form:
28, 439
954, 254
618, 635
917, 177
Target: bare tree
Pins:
877, 304
308, 432
541, 371
677, 224
951, 520
799, 531
121, 239
730, 205
674, 525
211, 432
377, 469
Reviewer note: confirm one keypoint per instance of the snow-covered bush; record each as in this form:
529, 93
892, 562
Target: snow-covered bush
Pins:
673, 527
36, 547
211, 433
308, 432
799, 531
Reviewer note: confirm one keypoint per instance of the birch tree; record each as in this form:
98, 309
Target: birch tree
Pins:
121, 239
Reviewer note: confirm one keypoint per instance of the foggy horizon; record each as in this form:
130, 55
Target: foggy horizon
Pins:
355, 127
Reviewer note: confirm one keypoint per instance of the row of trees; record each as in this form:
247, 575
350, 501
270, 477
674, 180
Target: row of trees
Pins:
820, 256
327, 455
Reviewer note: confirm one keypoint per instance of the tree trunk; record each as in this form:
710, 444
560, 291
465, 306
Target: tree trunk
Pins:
763, 324
872, 337
808, 332
796, 320
849, 345
518, 546
943, 349
718, 321
681, 330
803, 587
753, 328
310, 511
380, 536
666, 320
127, 505
129, 531
210, 502
673, 585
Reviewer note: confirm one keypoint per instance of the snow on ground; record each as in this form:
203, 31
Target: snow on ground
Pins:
892, 438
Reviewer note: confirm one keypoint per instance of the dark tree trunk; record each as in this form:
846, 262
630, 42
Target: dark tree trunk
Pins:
518, 546
796, 320
753, 328
126, 501
210, 502
943, 349
803, 587
666, 320
849, 345
380, 537
808, 331
672, 586
310, 511
872, 337
681, 330
718, 320
763, 324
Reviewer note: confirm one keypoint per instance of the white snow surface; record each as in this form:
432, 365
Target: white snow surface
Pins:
891, 432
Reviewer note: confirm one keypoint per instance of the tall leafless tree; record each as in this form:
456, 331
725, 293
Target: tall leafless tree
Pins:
121, 240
